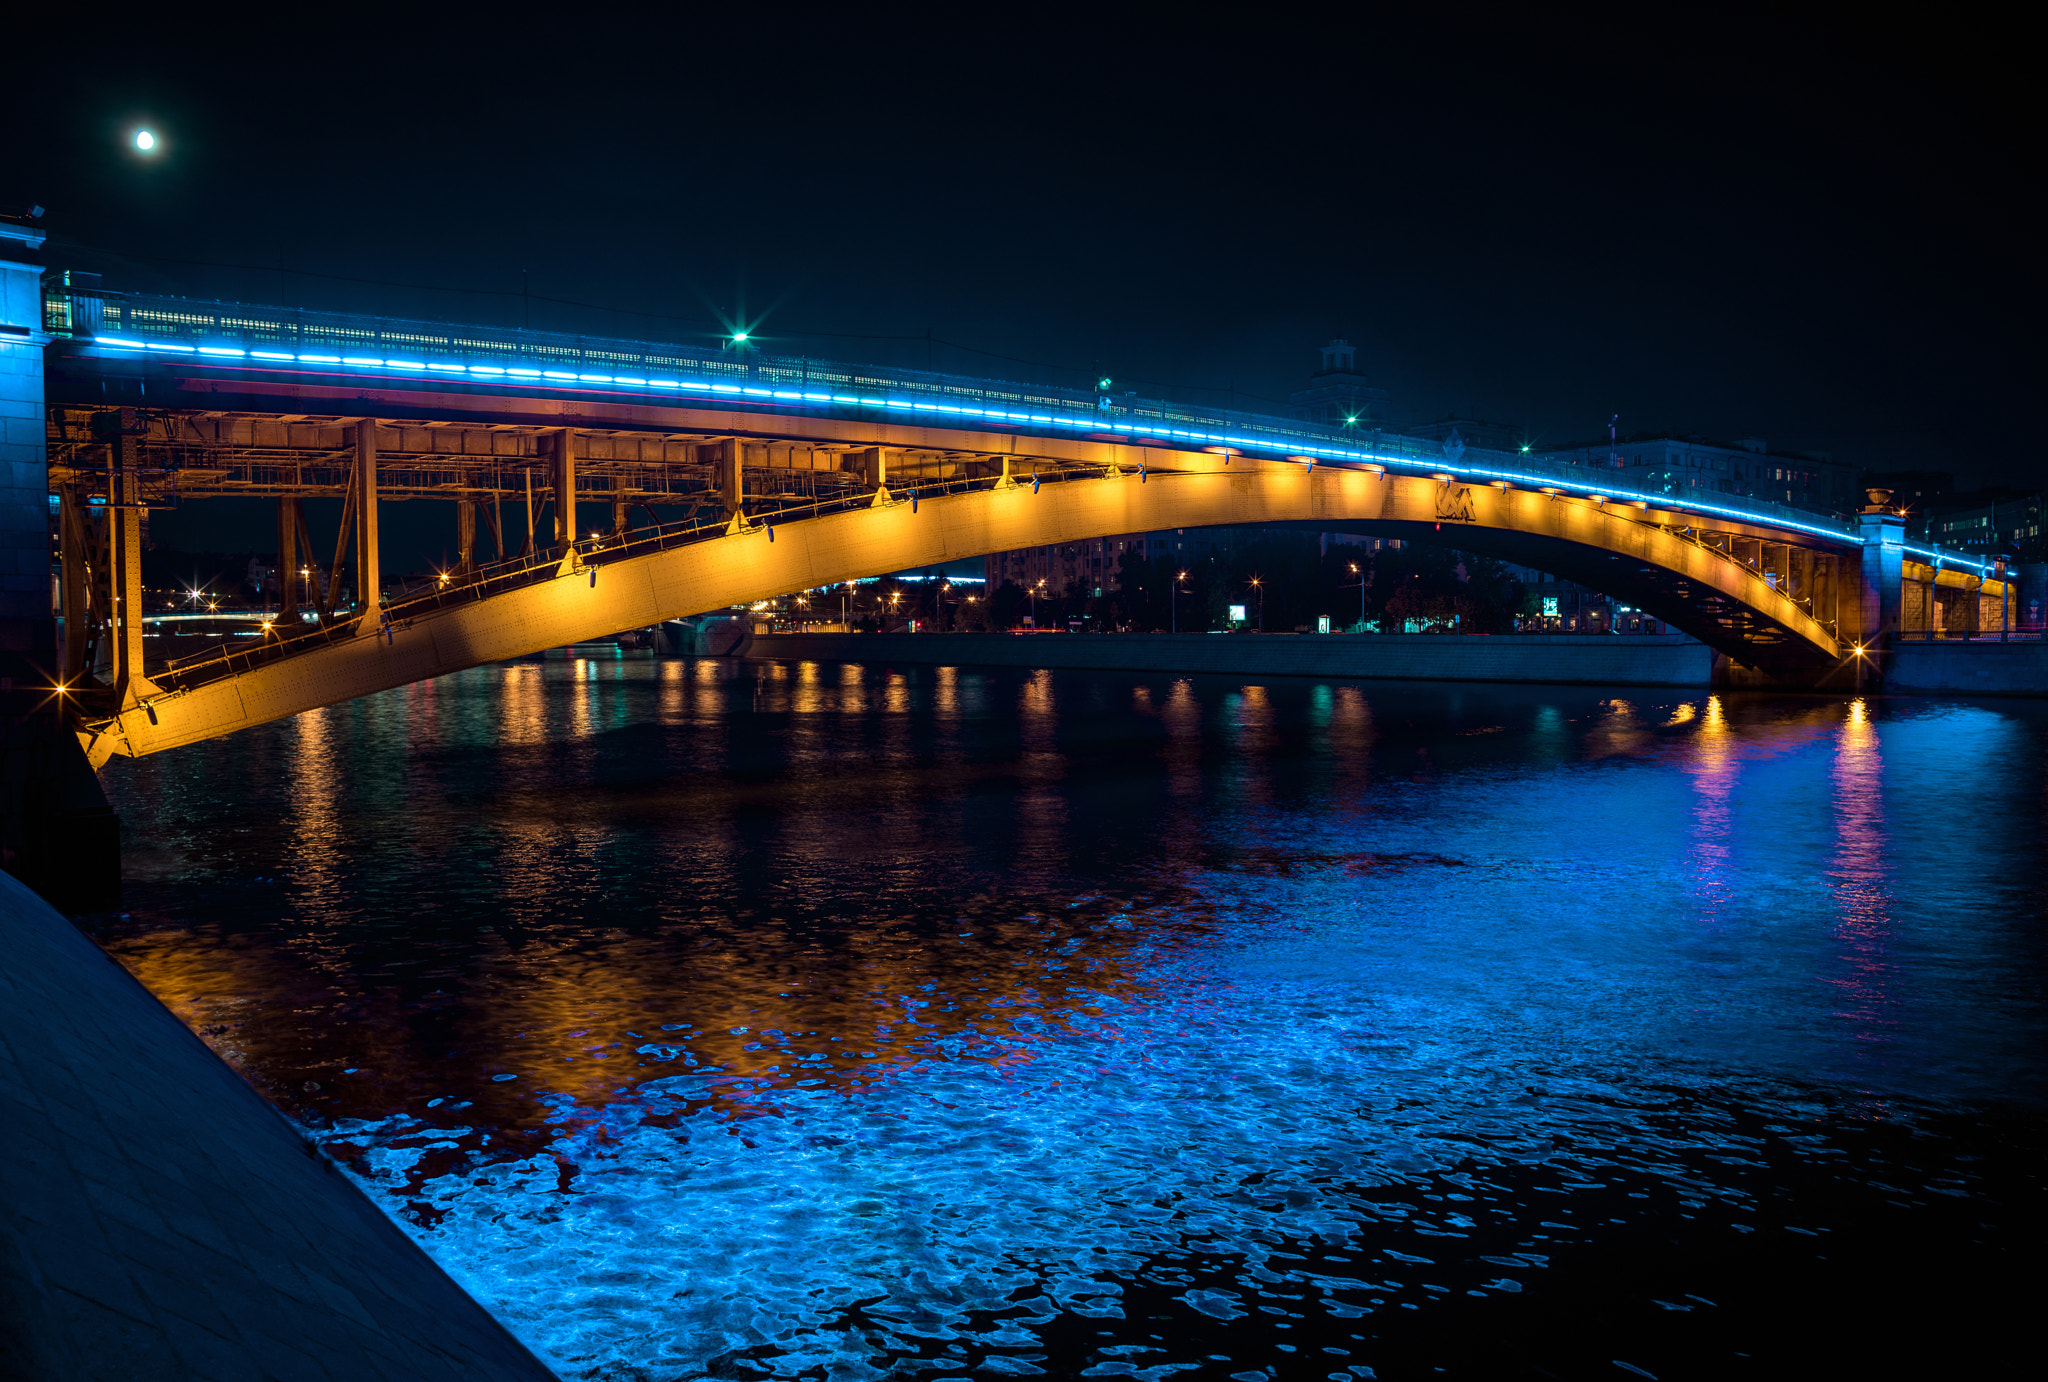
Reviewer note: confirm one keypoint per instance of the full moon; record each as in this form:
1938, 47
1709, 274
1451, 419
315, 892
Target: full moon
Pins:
144, 140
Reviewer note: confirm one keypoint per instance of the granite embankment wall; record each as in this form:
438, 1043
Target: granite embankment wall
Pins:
161, 1220
1969, 669
1602, 660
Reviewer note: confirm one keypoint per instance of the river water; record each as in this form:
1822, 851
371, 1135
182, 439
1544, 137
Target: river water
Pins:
824, 1020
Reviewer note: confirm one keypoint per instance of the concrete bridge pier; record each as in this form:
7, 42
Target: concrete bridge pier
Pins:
57, 833
565, 487
1881, 590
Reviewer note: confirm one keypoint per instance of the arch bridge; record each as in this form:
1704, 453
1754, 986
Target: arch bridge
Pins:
788, 474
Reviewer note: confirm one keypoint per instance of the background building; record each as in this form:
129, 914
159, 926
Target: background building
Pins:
1990, 521
1691, 465
1338, 395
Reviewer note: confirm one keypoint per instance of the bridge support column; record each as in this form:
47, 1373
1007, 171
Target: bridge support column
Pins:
124, 575
1881, 589
732, 456
565, 487
874, 467
78, 542
465, 534
288, 523
527, 476
369, 573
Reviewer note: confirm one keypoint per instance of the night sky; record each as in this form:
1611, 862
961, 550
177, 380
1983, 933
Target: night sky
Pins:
1731, 226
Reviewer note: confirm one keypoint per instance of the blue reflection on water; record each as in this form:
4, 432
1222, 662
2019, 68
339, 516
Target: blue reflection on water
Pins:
1280, 1008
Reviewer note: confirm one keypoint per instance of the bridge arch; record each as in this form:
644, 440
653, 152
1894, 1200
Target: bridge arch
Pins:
1646, 555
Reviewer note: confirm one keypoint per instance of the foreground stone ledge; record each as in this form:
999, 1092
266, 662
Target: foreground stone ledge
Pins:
162, 1220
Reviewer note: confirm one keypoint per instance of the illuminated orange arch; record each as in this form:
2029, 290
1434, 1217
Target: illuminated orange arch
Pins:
1623, 551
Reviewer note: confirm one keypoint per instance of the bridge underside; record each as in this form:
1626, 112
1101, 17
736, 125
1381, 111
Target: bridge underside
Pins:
1752, 636
1698, 581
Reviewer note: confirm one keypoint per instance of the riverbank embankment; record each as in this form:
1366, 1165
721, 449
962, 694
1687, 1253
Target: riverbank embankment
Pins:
162, 1220
1972, 667
1585, 659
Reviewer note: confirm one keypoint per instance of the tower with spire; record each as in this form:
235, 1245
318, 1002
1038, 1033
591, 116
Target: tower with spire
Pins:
1338, 395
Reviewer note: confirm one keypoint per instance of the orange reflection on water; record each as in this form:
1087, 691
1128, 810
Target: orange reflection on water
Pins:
730, 1011
1712, 766
809, 697
316, 830
1862, 876
1619, 730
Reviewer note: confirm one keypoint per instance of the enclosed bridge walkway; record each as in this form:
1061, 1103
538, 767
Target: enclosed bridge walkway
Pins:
792, 474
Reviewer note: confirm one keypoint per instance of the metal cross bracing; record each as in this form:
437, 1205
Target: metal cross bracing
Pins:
200, 454
506, 481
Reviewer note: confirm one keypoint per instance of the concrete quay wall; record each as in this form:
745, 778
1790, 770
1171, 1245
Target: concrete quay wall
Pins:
1603, 660
161, 1220
1971, 668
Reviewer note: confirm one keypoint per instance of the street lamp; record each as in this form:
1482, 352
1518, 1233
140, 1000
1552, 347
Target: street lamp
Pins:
1173, 603
2004, 594
1361, 595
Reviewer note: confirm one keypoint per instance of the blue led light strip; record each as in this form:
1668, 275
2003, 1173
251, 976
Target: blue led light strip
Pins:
1940, 558
1293, 445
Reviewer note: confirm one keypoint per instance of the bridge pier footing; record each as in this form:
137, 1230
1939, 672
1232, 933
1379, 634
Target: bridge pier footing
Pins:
57, 832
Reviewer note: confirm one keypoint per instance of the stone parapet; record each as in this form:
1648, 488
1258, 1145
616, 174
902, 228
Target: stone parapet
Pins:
1977, 667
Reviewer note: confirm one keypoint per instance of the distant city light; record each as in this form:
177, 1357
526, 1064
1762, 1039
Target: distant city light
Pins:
144, 140
739, 336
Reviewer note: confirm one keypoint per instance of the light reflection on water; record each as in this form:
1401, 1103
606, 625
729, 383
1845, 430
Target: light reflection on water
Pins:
771, 1019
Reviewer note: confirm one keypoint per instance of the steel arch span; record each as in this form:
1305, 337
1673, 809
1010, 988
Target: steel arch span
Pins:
1654, 557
